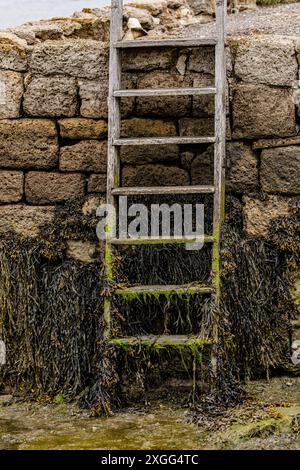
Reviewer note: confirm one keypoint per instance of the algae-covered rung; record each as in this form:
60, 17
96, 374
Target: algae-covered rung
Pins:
168, 290
160, 341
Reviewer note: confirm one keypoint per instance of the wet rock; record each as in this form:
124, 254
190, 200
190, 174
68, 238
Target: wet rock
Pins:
5, 400
261, 431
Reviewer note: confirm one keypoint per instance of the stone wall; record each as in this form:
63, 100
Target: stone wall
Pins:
53, 123
53, 119
53, 150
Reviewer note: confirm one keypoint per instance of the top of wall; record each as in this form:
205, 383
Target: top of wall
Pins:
158, 18
164, 18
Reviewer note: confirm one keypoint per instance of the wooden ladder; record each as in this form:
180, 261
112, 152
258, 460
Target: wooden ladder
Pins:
114, 190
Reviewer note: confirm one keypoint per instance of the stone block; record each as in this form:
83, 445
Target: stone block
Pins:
11, 92
81, 128
241, 168
141, 154
81, 58
202, 59
93, 95
160, 105
155, 7
280, 170
266, 59
51, 96
259, 111
147, 59
13, 52
87, 155
97, 183
24, 220
11, 186
49, 188
28, 143
200, 127
138, 127
259, 213
154, 175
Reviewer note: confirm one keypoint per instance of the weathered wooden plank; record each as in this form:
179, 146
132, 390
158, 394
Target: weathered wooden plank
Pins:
114, 127
188, 42
163, 190
163, 340
188, 289
220, 145
164, 140
164, 92
162, 240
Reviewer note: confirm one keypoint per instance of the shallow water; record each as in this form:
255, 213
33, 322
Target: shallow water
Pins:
269, 419
17, 12
62, 427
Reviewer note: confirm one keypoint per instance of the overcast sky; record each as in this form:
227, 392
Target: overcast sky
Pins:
16, 12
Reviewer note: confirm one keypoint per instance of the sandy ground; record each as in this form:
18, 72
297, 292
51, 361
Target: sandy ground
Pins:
280, 19
268, 419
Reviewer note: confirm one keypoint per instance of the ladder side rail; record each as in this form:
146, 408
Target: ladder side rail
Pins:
220, 149
113, 152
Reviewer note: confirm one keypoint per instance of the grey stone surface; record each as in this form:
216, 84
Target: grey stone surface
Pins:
259, 111
51, 96
280, 170
11, 92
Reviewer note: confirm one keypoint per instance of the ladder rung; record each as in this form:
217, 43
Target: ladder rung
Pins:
165, 92
163, 190
162, 241
164, 141
131, 292
189, 42
163, 340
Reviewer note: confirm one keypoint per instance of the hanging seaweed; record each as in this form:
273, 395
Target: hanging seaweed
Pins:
51, 314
